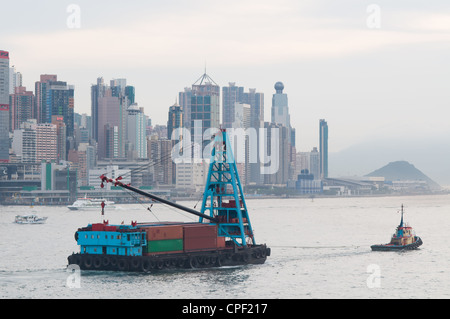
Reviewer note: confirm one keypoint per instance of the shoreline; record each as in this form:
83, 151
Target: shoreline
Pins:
256, 197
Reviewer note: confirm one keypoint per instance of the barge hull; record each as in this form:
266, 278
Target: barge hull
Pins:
412, 246
256, 254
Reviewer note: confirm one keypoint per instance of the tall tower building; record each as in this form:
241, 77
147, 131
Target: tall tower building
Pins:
97, 91
136, 130
60, 101
184, 99
280, 109
256, 102
323, 132
175, 119
4, 106
205, 106
42, 112
108, 126
231, 94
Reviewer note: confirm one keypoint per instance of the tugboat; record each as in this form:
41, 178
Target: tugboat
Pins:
223, 236
404, 238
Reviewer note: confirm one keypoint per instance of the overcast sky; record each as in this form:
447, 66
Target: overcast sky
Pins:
371, 71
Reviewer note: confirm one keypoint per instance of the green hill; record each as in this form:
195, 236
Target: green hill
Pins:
403, 171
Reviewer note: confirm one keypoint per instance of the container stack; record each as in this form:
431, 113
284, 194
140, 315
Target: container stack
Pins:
164, 239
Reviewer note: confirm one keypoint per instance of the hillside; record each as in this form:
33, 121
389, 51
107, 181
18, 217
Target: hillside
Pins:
402, 170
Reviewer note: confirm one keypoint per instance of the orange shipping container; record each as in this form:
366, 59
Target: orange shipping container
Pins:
164, 232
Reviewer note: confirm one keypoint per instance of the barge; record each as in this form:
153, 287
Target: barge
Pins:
223, 235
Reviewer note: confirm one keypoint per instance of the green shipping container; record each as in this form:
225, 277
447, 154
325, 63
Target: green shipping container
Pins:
157, 246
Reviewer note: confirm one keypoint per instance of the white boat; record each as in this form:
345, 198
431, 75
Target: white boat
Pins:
91, 204
30, 219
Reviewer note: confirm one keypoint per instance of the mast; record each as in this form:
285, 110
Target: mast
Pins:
224, 197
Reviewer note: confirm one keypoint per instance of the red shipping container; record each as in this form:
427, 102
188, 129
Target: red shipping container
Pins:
164, 232
200, 230
200, 243
200, 236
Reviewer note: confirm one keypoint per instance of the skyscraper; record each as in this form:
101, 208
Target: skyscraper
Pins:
323, 132
136, 130
4, 106
97, 91
205, 106
280, 109
108, 118
184, 99
231, 94
60, 101
42, 113
175, 119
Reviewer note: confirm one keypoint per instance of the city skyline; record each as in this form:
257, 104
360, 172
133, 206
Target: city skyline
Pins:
374, 71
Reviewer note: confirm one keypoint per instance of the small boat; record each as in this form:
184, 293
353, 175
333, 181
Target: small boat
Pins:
90, 204
30, 219
404, 238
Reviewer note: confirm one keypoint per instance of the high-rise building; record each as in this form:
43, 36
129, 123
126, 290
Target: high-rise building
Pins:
280, 109
175, 119
15, 79
97, 91
184, 99
159, 152
60, 101
231, 94
109, 105
46, 142
205, 107
323, 132
109, 112
24, 144
4, 106
21, 106
136, 134
61, 137
42, 111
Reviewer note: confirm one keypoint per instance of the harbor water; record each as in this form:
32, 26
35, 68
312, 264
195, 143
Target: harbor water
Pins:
320, 248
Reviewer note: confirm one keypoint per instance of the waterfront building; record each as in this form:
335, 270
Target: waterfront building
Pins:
58, 121
4, 107
24, 144
323, 133
46, 142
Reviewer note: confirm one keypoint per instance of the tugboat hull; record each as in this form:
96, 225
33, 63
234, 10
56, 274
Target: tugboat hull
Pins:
203, 259
389, 247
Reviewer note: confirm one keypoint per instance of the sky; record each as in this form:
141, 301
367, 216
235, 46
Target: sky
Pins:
371, 69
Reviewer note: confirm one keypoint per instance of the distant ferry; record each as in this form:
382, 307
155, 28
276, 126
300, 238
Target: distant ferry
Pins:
29, 219
91, 204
